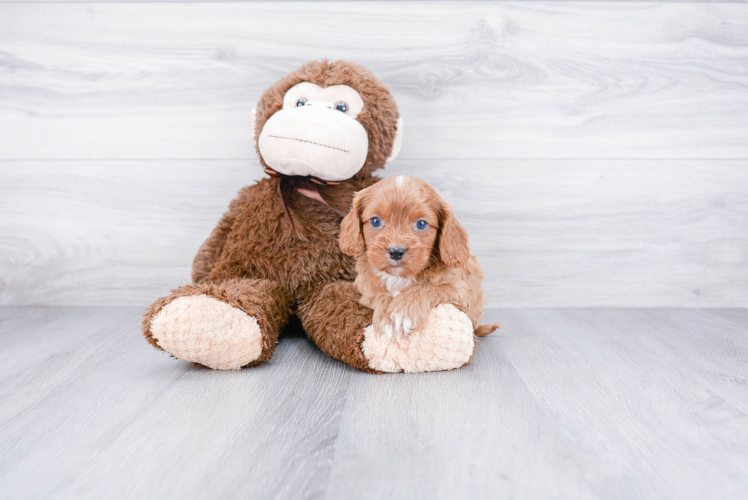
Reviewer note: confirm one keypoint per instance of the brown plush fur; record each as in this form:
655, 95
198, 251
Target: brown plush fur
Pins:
253, 262
436, 268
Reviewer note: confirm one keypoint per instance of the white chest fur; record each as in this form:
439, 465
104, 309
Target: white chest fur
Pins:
394, 284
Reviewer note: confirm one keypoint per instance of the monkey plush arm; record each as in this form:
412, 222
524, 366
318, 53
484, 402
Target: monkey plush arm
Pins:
334, 320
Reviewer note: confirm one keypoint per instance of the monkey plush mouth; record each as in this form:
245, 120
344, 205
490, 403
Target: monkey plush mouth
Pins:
310, 142
314, 141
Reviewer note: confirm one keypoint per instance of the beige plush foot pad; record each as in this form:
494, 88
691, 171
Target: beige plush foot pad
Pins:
444, 343
207, 331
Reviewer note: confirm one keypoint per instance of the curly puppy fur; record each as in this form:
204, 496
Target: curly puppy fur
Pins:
253, 262
431, 265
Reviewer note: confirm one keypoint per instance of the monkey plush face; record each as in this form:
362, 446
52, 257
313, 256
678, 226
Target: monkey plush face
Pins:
316, 133
330, 120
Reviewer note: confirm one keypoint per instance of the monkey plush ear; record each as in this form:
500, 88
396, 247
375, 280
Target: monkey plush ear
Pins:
254, 121
351, 237
453, 239
397, 144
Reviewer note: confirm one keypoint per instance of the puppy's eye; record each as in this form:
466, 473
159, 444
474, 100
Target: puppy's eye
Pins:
375, 222
301, 102
341, 106
421, 225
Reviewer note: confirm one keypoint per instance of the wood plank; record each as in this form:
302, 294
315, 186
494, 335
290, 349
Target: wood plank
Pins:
656, 405
82, 230
559, 404
475, 432
473, 80
737, 317
336, 1
42, 347
575, 403
548, 233
129, 422
600, 233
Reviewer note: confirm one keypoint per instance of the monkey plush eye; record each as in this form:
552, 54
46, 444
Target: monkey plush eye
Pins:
421, 225
301, 102
341, 106
375, 222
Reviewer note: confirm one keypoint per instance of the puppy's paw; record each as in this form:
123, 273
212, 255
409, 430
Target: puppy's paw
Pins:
411, 318
389, 330
401, 323
444, 342
385, 326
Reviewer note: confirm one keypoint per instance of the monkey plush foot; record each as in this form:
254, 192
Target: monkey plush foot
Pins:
444, 343
207, 331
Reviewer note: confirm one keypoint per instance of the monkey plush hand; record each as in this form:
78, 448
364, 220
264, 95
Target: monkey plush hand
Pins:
320, 133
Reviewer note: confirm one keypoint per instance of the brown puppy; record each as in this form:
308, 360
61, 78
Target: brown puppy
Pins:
412, 255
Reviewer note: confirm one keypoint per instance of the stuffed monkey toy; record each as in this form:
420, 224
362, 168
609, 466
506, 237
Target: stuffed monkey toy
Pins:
320, 133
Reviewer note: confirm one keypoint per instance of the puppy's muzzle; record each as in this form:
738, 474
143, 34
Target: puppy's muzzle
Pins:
396, 253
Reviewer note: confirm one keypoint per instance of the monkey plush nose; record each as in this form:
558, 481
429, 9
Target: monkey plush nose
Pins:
396, 253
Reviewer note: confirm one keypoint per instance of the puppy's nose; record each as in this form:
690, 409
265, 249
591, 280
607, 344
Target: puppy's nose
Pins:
396, 253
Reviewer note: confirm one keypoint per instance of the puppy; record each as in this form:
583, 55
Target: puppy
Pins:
412, 256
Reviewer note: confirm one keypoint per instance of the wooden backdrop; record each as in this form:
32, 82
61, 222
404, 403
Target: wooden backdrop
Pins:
597, 152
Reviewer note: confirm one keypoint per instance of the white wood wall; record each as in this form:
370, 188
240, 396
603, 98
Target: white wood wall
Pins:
597, 152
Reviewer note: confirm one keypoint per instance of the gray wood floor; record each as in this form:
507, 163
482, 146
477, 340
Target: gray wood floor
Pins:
575, 403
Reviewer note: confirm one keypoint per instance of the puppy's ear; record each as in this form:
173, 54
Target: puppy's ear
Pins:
351, 236
453, 239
